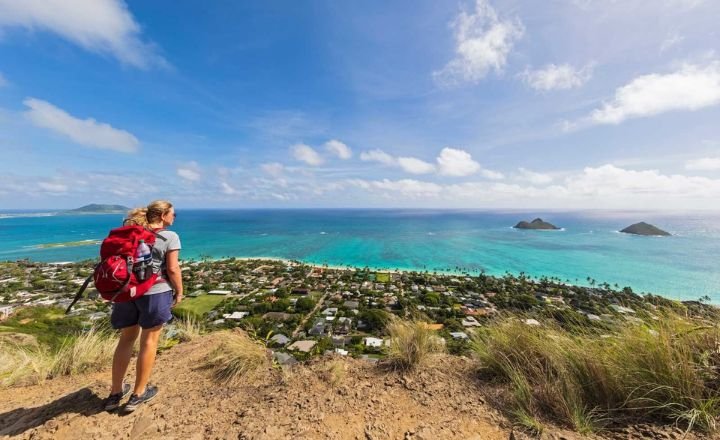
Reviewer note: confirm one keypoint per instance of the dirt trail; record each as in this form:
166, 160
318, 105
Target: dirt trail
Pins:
366, 403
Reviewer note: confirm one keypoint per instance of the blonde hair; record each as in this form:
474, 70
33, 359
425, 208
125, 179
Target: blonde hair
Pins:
149, 214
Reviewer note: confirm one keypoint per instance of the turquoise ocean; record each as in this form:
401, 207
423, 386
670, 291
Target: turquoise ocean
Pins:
684, 266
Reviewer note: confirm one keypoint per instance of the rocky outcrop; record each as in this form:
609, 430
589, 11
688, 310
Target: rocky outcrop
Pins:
538, 223
643, 228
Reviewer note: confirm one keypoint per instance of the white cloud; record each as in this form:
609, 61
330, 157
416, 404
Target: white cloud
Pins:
703, 164
189, 171
414, 165
556, 77
534, 177
450, 162
453, 162
274, 169
339, 149
405, 187
483, 43
614, 182
307, 154
377, 156
88, 132
605, 186
691, 88
227, 189
102, 26
53, 187
3, 81
490, 174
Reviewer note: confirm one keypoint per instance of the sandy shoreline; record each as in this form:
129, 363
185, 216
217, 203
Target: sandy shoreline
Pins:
334, 267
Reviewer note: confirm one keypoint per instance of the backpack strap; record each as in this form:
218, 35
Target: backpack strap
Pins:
78, 295
156, 232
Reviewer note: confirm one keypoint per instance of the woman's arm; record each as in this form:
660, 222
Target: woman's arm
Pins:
172, 266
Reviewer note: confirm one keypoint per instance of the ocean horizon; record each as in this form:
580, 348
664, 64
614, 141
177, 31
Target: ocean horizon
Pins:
588, 245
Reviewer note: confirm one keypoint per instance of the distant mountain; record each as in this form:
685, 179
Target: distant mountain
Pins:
95, 208
538, 223
643, 228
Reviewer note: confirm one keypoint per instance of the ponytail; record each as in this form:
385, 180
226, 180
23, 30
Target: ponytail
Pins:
137, 216
144, 216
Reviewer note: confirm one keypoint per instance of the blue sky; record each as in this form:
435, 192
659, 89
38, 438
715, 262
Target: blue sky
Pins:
482, 104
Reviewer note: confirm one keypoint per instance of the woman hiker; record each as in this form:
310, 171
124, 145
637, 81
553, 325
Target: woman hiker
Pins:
146, 315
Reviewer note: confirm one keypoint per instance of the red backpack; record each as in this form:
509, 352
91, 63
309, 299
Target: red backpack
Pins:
118, 277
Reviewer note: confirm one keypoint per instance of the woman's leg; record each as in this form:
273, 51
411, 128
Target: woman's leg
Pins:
146, 358
123, 353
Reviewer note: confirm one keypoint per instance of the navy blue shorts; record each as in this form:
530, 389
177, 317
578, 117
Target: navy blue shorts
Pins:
148, 311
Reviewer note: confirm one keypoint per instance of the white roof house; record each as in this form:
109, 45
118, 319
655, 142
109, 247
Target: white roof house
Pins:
459, 335
236, 316
373, 342
219, 292
470, 322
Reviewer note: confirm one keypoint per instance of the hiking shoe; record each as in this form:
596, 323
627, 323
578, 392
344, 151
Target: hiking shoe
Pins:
135, 400
112, 402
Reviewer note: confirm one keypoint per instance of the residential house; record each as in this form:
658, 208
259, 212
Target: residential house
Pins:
278, 316
280, 339
219, 292
235, 316
352, 305
318, 328
304, 346
470, 321
373, 342
344, 325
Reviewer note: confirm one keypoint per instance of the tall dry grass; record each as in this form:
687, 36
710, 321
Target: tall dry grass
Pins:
334, 371
237, 358
23, 365
189, 328
89, 351
32, 364
412, 344
668, 370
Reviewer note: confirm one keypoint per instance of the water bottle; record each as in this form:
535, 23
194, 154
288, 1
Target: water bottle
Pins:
143, 260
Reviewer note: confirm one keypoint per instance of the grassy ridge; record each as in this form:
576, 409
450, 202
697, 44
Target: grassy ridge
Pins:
665, 369
48, 325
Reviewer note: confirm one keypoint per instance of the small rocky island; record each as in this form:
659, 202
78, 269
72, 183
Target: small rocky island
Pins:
95, 208
538, 223
643, 228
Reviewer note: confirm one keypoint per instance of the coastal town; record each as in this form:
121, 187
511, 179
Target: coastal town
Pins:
300, 310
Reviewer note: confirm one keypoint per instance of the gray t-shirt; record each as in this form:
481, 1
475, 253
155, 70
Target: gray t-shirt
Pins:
161, 247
